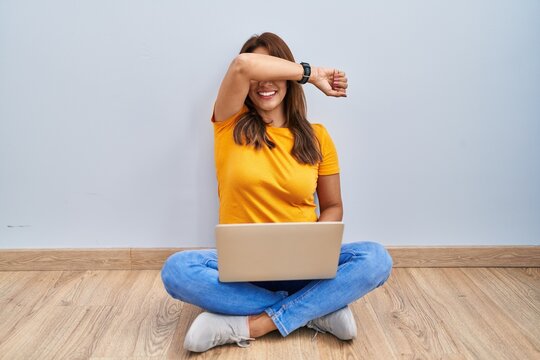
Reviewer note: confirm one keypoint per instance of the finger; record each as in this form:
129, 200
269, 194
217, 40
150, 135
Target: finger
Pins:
337, 93
335, 83
332, 92
340, 88
341, 79
342, 92
341, 84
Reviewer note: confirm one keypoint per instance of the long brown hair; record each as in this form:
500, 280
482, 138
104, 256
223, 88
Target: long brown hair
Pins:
251, 129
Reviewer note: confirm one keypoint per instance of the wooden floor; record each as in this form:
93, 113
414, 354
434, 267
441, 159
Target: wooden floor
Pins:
420, 313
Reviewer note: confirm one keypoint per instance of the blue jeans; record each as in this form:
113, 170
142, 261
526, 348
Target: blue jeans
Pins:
192, 276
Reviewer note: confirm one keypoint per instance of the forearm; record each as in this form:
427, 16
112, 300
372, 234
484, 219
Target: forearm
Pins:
265, 67
331, 213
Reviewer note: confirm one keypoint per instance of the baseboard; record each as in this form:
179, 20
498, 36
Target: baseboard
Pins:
153, 258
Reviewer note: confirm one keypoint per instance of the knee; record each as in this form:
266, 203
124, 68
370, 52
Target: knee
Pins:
377, 261
175, 273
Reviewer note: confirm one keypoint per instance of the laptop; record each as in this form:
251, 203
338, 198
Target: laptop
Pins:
278, 251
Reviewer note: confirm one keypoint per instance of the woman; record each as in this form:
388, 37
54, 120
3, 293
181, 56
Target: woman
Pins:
269, 162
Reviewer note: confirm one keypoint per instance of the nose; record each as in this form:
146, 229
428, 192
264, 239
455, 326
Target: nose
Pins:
265, 82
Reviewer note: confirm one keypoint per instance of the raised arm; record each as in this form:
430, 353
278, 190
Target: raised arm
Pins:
250, 66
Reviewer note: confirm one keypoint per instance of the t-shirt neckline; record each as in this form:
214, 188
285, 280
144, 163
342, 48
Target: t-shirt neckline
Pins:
277, 128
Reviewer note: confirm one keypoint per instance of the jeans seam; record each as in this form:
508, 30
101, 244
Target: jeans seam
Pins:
281, 325
286, 306
307, 292
275, 318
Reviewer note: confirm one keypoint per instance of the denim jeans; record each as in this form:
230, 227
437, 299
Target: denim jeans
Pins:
192, 276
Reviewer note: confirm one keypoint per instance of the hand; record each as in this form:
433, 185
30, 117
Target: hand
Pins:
332, 82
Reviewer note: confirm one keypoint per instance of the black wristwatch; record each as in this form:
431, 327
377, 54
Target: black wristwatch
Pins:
307, 73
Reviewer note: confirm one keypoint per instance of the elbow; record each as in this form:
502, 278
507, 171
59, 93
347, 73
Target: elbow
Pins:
339, 210
331, 213
240, 64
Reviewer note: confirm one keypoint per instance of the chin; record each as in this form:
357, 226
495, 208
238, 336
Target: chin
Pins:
266, 106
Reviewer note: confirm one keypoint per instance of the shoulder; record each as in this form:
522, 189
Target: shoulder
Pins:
320, 131
227, 125
323, 136
318, 128
231, 118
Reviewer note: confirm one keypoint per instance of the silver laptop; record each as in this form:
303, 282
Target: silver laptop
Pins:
278, 251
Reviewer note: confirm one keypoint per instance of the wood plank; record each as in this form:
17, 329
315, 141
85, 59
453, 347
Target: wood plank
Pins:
159, 316
78, 334
153, 258
371, 342
64, 259
419, 313
410, 324
438, 336
479, 325
525, 284
186, 314
534, 273
12, 283
465, 256
96, 287
127, 358
23, 302
445, 300
37, 317
519, 343
145, 319
522, 311
390, 306
43, 336
331, 347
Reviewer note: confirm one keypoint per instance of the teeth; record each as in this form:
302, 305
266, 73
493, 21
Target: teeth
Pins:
268, 93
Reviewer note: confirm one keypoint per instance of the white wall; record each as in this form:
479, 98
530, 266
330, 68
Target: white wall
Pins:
105, 138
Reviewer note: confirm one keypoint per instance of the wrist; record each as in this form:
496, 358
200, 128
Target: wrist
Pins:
313, 76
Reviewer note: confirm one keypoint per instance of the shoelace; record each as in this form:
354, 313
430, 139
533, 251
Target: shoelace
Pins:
317, 329
242, 341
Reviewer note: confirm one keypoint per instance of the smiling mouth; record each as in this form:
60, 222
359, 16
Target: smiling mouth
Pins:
266, 94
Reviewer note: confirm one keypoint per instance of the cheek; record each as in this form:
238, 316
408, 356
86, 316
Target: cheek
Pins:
283, 93
252, 88
252, 94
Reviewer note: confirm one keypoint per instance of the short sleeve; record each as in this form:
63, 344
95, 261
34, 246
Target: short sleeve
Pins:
330, 163
228, 124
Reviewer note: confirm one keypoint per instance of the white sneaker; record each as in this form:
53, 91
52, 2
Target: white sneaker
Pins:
209, 330
340, 323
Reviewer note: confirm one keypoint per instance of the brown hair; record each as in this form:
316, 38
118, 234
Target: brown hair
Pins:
251, 129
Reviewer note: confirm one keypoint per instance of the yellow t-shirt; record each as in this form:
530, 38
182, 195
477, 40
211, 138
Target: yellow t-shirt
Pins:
267, 185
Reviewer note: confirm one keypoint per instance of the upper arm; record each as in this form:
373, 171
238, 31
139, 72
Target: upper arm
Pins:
233, 90
329, 191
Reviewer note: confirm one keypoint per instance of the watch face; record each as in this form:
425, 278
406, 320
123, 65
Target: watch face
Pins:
307, 72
